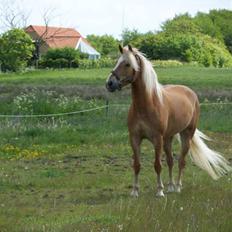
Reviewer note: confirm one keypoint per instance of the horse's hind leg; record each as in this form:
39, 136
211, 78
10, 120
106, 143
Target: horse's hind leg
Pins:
135, 144
170, 163
186, 137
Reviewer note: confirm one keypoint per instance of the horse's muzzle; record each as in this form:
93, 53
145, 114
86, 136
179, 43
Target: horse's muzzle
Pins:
113, 85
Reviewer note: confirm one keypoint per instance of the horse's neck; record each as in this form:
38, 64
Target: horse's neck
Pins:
141, 100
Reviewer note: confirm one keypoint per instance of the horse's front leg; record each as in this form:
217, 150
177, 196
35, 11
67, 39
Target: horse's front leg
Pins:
135, 144
158, 145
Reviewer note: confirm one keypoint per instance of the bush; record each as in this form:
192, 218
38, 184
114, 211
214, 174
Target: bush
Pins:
101, 63
166, 63
209, 52
65, 53
107, 45
187, 48
184, 39
16, 50
86, 64
60, 58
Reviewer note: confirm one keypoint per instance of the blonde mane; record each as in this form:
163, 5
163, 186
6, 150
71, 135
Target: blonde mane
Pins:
149, 75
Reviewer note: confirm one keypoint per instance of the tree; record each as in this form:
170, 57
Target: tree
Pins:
222, 19
199, 39
47, 17
16, 49
107, 45
206, 25
131, 37
12, 15
217, 24
187, 47
180, 24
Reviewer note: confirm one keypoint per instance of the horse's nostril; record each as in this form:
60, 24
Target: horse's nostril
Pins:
110, 83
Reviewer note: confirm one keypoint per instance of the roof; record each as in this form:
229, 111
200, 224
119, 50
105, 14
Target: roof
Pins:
53, 31
85, 47
56, 37
60, 37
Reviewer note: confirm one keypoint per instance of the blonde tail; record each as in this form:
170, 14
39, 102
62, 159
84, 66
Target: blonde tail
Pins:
205, 158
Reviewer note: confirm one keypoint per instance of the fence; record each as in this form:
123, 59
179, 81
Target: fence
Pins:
106, 107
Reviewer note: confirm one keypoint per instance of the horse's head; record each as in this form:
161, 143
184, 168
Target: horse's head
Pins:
125, 71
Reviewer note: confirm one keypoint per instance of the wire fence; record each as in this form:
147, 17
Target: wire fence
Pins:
106, 107
51, 115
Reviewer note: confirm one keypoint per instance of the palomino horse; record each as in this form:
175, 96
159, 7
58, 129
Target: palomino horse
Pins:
158, 113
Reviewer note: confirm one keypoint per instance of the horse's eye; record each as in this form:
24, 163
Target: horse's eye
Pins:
127, 65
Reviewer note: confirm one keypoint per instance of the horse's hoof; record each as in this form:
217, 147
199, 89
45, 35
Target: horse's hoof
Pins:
160, 193
171, 188
135, 193
178, 188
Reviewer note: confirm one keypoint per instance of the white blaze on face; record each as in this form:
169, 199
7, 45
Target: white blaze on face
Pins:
129, 58
120, 60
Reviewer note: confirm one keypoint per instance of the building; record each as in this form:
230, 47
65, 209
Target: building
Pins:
46, 37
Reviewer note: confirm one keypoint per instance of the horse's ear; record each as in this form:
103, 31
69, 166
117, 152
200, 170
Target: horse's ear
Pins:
130, 48
120, 48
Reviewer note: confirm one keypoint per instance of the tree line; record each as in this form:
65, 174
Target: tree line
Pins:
205, 39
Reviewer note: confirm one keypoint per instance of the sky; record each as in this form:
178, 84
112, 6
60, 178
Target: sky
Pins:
112, 16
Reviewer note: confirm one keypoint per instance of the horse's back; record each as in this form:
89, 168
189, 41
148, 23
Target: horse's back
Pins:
180, 93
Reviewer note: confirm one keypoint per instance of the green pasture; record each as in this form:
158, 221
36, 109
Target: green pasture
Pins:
196, 77
73, 173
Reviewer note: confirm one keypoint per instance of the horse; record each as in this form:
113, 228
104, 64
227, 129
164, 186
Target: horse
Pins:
158, 113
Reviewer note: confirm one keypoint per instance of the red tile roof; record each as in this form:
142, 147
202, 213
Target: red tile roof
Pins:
56, 37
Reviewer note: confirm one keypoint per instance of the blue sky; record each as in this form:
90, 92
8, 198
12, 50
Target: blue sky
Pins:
111, 16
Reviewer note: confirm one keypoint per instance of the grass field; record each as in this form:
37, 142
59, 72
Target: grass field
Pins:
195, 77
73, 173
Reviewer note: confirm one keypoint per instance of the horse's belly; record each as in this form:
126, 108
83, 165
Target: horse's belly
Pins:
179, 123
176, 128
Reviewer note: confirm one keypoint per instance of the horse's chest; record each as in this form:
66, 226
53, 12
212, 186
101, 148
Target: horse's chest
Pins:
144, 129
144, 125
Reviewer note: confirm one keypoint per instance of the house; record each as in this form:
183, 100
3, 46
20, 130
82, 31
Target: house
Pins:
46, 37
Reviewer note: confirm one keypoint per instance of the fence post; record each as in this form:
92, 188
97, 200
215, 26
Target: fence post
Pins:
107, 107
